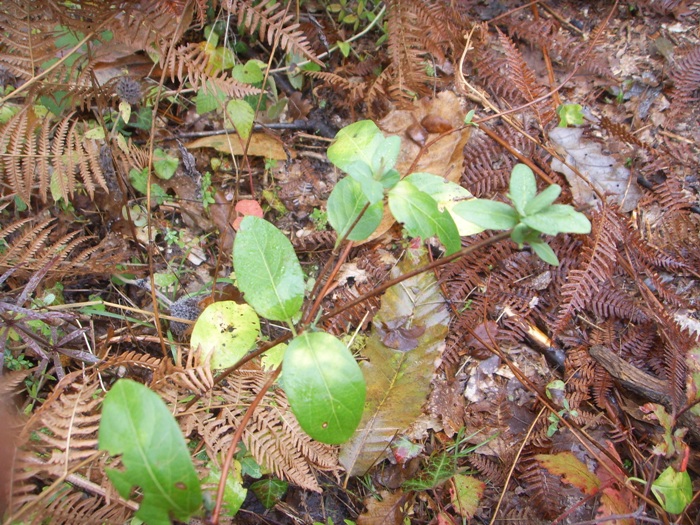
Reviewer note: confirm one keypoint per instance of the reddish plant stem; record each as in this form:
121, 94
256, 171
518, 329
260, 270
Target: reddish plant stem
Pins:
308, 316
234, 443
319, 297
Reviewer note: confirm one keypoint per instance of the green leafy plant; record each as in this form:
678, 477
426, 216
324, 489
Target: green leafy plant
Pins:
269, 491
555, 391
443, 465
673, 489
531, 214
324, 384
570, 115
419, 200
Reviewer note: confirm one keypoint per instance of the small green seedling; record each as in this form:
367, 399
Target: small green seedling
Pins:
555, 391
673, 489
570, 115
530, 215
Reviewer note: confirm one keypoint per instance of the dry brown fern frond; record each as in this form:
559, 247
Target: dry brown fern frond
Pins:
27, 40
486, 168
409, 42
666, 7
38, 153
274, 25
596, 263
358, 316
315, 241
273, 436
523, 78
612, 302
686, 82
191, 62
29, 245
545, 491
350, 90
490, 468
562, 46
70, 507
69, 422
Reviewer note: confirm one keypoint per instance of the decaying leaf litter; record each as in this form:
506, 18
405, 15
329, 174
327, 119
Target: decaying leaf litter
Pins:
492, 395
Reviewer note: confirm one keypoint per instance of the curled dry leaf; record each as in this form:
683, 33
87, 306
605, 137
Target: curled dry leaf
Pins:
387, 511
417, 134
219, 212
436, 115
261, 145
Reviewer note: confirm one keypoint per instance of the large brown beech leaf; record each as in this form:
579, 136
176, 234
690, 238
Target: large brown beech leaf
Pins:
398, 379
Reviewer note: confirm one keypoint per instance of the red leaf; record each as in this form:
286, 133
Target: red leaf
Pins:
246, 207
249, 207
613, 503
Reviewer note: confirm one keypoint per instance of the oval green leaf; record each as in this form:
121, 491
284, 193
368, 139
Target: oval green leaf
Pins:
544, 199
324, 385
523, 187
224, 333
345, 203
488, 214
358, 141
558, 218
545, 252
447, 194
419, 213
163, 164
137, 425
674, 490
267, 270
241, 115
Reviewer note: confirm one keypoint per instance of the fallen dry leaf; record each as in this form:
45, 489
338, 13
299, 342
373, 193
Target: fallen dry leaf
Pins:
388, 511
438, 114
261, 145
602, 171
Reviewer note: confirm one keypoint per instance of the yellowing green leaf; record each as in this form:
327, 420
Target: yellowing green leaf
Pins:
356, 142
673, 489
466, 492
241, 116
224, 333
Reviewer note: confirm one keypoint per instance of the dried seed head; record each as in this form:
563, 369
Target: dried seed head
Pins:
185, 308
128, 90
